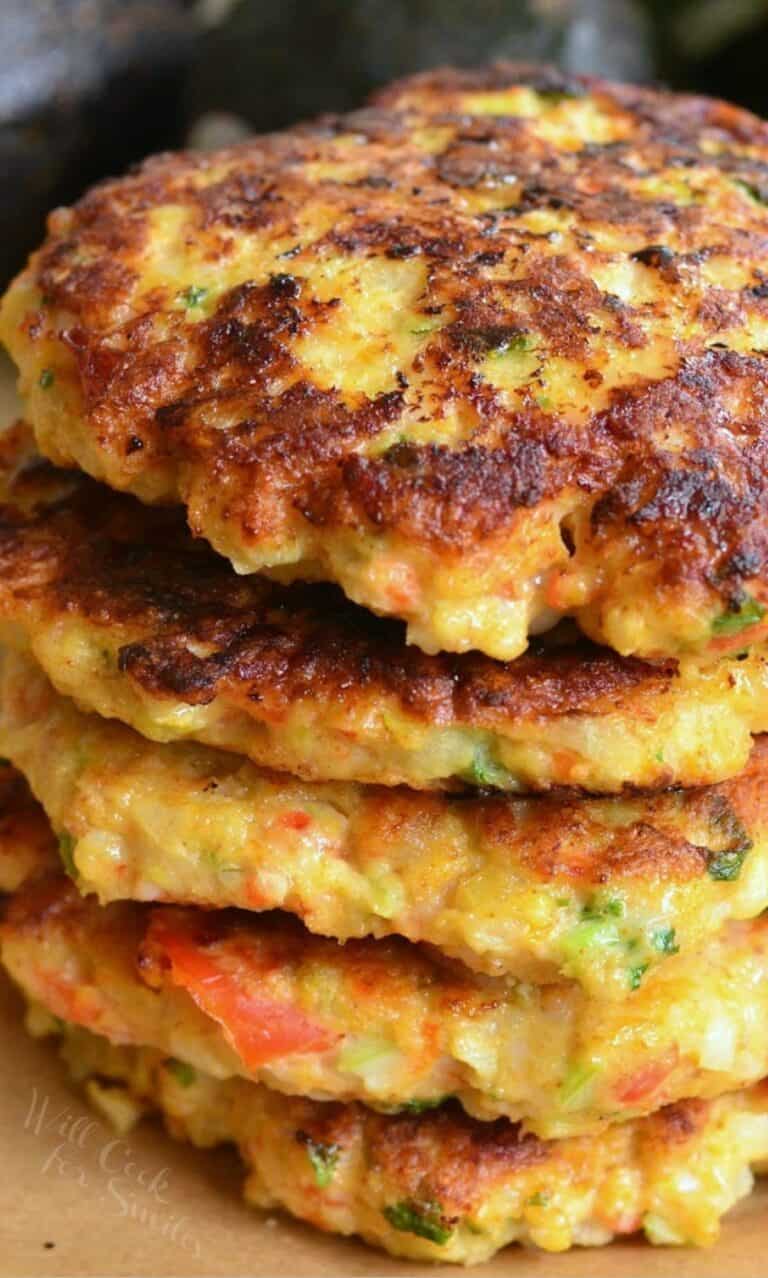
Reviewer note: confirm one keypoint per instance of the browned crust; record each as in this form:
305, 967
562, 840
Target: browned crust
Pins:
283, 664
563, 841
70, 547
676, 1124
295, 450
444, 1156
448, 1157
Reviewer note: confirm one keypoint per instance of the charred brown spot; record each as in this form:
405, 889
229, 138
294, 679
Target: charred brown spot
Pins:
445, 1156
641, 851
655, 255
677, 1124
493, 338
49, 902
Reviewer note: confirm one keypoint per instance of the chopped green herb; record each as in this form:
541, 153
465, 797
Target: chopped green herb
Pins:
613, 907
486, 772
597, 929
425, 1219
46, 379
182, 1072
512, 344
422, 332
592, 932
726, 866
322, 1157
539, 1199
67, 845
659, 756
193, 296
636, 975
664, 940
366, 1053
725, 862
728, 825
418, 1106
748, 613
757, 193
575, 1085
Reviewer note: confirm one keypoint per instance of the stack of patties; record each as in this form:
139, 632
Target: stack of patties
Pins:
412, 808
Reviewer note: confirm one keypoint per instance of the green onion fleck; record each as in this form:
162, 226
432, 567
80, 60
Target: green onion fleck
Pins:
182, 1072
425, 1219
636, 975
484, 771
663, 940
748, 613
512, 344
46, 379
726, 866
612, 907
539, 1199
323, 1158
576, 1085
366, 1052
67, 845
193, 295
591, 933
757, 193
418, 1106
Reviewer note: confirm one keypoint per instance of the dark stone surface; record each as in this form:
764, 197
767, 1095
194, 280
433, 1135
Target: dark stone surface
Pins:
86, 86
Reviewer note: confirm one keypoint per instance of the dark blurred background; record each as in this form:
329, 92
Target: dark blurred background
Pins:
88, 86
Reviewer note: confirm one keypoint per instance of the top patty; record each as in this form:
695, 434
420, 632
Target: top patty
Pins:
134, 619
486, 353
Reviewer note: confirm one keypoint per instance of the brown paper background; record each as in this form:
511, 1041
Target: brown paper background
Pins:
64, 1181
